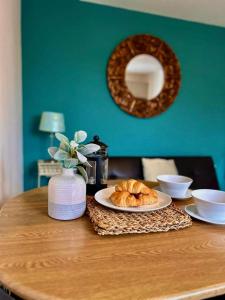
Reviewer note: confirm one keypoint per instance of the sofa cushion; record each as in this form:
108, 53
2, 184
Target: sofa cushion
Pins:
153, 167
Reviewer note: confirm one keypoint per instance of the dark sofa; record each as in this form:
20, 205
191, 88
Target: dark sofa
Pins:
199, 168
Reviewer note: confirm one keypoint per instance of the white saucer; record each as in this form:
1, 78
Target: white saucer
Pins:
193, 212
186, 196
103, 195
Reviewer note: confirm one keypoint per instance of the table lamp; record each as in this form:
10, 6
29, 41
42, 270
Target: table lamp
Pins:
52, 122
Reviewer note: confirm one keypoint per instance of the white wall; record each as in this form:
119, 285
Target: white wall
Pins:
11, 174
203, 11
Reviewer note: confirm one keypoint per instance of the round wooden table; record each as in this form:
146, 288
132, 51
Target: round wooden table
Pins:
42, 258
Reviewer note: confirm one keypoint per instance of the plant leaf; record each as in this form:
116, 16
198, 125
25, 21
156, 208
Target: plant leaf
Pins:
81, 157
88, 149
70, 163
61, 155
52, 151
87, 164
62, 138
83, 173
64, 146
80, 136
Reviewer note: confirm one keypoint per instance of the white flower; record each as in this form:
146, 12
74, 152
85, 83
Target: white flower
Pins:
72, 153
73, 144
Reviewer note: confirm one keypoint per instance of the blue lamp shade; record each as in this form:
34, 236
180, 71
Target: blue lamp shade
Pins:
52, 122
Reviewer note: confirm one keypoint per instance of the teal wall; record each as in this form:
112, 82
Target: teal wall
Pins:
66, 46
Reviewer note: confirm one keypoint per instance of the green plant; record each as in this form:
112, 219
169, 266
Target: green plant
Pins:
73, 153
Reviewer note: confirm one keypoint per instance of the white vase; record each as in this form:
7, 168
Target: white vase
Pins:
66, 195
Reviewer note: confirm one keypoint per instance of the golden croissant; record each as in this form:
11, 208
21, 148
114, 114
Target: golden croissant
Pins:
124, 198
132, 186
133, 193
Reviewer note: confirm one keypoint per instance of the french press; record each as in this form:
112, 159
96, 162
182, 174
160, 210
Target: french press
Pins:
98, 170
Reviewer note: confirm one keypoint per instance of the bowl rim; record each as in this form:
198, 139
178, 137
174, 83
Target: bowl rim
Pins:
208, 201
189, 180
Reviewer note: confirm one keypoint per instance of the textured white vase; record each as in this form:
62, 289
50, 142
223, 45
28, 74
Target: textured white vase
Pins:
66, 195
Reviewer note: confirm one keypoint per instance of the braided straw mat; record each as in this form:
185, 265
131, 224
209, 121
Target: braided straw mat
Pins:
114, 222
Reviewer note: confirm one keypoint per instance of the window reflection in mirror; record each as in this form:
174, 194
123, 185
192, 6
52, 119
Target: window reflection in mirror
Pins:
144, 76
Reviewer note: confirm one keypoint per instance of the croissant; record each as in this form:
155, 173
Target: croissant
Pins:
125, 199
133, 193
148, 199
132, 186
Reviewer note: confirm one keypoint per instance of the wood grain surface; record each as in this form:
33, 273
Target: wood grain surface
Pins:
42, 258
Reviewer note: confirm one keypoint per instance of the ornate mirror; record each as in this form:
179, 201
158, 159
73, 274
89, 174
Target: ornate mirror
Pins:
143, 76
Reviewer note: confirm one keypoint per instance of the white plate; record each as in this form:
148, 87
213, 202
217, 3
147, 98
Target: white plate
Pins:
186, 196
193, 212
102, 197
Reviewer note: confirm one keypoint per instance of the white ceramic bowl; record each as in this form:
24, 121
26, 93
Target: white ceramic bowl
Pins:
210, 203
174, 185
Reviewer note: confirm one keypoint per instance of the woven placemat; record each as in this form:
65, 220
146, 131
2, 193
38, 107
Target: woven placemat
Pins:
113, 222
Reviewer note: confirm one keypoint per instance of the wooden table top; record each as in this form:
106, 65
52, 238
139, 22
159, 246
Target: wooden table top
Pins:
46, 259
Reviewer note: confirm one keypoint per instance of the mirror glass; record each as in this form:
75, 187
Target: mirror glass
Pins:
144, 76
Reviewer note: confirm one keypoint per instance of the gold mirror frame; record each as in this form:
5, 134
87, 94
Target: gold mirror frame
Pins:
124, 52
